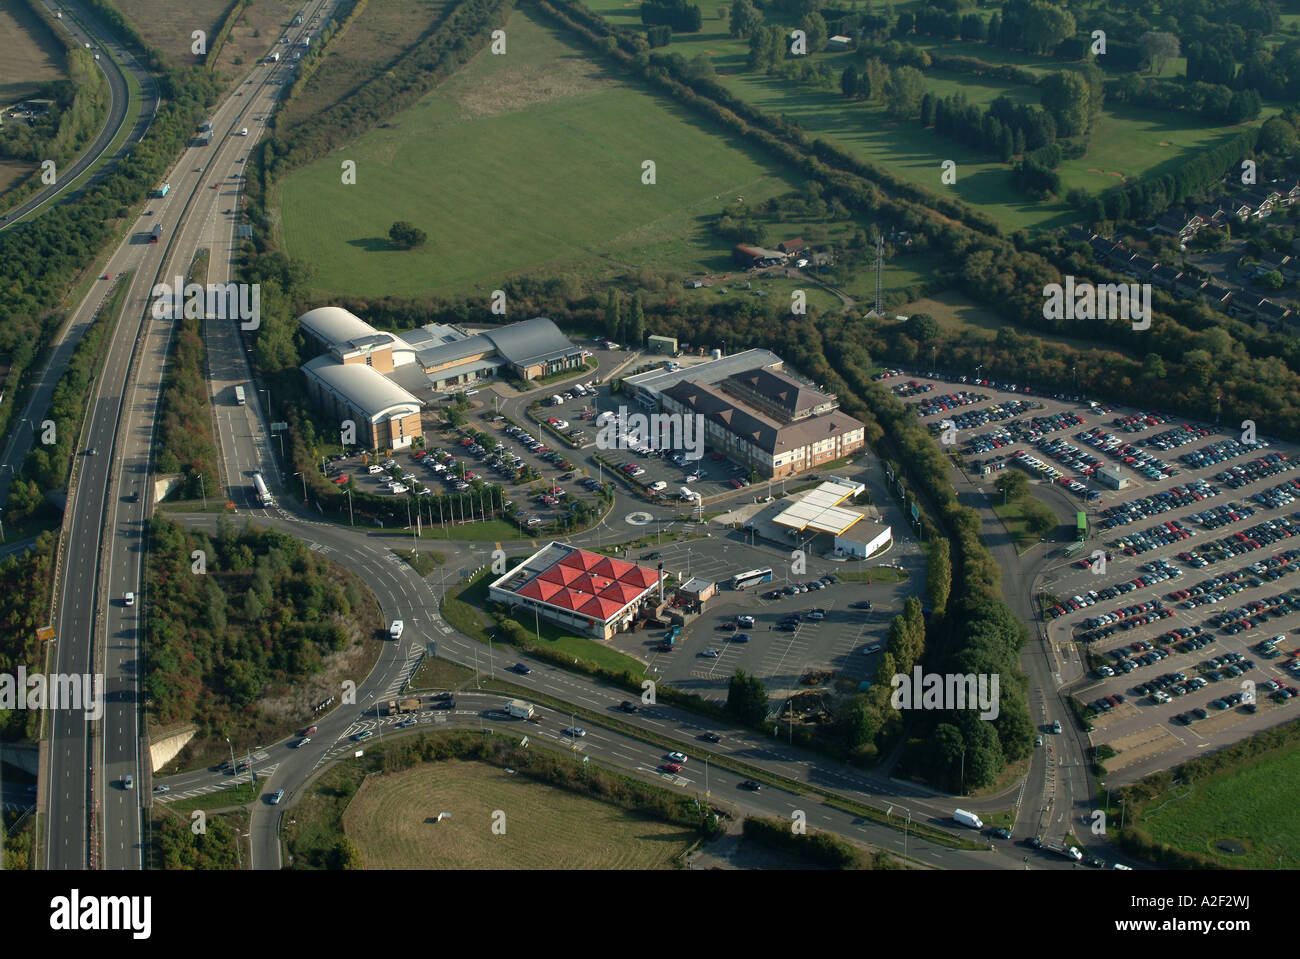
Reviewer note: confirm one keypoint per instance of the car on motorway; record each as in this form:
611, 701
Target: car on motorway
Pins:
711, 737
627, 706
750, 785
309, 731
1056, 726
576, 732
670, 767
442, 696
129, 599
128, 782
677, 757
521, 669
302, 742
444, 704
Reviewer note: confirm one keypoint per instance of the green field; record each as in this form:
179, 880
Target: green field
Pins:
540, 148
1261, 795
1128, 142
392, 822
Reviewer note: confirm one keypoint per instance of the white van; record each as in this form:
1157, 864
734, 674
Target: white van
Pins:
374, 468
658, 487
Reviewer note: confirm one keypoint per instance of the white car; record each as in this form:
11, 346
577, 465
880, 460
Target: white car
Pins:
658, 487
128, 782
129, 599
398, 488
575, 731
678, 758
395, 631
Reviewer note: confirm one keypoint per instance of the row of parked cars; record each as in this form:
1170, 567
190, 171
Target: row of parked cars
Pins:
1162, 534
1172, 439
1219, 451
1129, 454
1255, 613
1137, 422
933, 405
1022, 431
1122, 514
1260, 468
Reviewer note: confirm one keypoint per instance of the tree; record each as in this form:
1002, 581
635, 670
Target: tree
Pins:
814, 27
613, 315
745, 19
766, 47
1067, 97
1012, 484
849, 81
904, 92
927, 109
922, 327
1158, 47
636, 325
406, 236
747, 698
1045, 26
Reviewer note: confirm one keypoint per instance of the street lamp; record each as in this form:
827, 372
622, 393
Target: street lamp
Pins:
204, 491
304, 488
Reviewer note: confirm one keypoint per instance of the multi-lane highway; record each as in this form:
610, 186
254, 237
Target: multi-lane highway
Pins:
69, 335
104, 560
105, 544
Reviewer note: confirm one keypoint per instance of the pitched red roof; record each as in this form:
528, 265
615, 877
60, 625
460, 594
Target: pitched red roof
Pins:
590, 584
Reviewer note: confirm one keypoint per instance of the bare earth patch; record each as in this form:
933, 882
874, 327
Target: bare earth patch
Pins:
1138, 746
528, 85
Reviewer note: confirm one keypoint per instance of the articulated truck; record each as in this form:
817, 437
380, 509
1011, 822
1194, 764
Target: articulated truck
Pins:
263, 494
1066, 852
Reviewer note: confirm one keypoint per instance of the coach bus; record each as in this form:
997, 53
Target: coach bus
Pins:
752, 578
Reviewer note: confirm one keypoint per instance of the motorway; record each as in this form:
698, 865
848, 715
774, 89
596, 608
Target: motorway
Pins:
105, 551
107, 527
69, 335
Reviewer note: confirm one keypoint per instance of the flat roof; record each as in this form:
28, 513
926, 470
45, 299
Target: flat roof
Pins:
819, 509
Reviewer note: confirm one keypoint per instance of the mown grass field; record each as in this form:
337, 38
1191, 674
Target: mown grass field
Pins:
1261, 796
391, 823
380, 36
531, 161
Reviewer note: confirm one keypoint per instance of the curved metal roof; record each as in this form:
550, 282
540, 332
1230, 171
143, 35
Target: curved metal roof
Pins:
363, 388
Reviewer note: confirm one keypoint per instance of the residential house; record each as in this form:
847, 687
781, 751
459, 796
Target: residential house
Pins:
1188, 285
1275, 315
1245, 306
1164, 277
1217, 296
1179, 224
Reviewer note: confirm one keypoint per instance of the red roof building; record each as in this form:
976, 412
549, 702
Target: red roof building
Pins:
594, 594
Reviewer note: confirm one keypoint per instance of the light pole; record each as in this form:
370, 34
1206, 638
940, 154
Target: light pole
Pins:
203, 490
304, 487
349, 492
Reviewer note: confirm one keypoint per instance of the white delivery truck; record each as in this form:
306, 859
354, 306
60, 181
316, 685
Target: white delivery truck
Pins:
520, 709
967, 819
687, 494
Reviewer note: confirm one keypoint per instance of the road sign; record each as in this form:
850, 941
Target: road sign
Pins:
45, 634
276, 427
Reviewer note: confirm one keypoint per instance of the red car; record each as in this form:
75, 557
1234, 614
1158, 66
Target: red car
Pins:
340, 480
671, 768
309, 730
